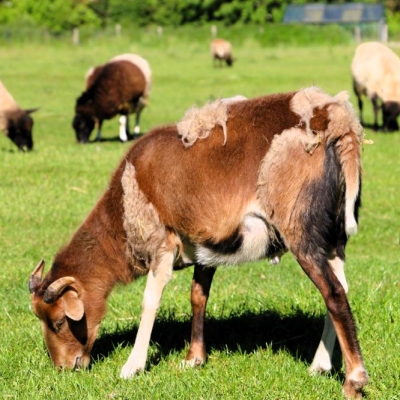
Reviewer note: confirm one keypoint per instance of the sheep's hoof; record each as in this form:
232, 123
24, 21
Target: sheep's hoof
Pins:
194, 362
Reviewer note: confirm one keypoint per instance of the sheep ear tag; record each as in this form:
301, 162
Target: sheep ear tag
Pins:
73, 306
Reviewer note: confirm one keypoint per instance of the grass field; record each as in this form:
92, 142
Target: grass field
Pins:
264, 322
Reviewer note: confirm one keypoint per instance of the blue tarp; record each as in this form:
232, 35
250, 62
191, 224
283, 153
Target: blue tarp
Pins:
334, 13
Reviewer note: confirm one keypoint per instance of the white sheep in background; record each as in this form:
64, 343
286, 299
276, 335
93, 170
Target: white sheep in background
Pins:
376, 74
15, 122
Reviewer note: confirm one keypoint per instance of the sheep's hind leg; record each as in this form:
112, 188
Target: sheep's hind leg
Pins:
201, 283
139, 108
333, 293
322, 361
156, 281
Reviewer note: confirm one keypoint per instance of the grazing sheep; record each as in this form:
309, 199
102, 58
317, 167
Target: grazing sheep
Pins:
221, 50
121, 86
16, 123
233, 182
376, 74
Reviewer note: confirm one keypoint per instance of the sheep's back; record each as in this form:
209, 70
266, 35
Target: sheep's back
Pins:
7, 102
221, 48
141, 63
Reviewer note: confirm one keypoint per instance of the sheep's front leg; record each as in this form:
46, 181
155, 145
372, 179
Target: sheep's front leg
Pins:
123, 123
322, 361
201, 283
376, 111
156, 281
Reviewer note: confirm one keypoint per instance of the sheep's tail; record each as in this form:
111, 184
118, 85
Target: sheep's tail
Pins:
348, 147
345, 130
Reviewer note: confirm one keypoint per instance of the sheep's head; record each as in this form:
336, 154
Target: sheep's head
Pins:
83, 126
390, 112
19, 129
69, 321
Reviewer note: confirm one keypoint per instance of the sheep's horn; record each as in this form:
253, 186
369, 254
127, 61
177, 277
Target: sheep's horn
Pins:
53, 292
36, 277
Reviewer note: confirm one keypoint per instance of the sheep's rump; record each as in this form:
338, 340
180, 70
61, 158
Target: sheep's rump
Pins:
143, 66
7, 105
216, 174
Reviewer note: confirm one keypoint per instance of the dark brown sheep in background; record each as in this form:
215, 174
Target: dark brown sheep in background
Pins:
15, 122
221, 51
119, 87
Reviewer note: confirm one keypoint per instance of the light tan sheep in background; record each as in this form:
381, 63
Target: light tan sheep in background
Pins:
376, 73
221, 50
15, 122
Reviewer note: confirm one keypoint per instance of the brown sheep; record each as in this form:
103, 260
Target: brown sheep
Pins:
235, 181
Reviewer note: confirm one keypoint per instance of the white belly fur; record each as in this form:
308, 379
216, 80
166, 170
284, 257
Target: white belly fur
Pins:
256, 240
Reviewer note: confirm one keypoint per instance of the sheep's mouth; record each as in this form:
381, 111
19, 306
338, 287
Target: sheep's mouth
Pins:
79, 364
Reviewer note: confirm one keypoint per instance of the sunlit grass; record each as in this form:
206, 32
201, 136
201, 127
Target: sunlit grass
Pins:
264, 322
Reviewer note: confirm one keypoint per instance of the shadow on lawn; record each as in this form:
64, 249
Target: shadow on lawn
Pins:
131, 136
373, 128
298, 334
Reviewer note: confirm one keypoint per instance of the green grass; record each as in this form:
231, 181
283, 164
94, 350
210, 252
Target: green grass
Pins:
264, 322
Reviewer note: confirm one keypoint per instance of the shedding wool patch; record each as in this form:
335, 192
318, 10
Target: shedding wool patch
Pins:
198, 123
281, 187
341, 113
144, 231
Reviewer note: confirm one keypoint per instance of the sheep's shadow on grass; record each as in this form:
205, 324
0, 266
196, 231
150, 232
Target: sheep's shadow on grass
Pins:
375, 129
131, 136
297, 334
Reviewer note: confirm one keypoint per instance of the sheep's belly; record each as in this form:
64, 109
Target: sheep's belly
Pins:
254, 245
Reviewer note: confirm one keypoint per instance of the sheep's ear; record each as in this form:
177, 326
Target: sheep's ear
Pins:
31, 110
73, 306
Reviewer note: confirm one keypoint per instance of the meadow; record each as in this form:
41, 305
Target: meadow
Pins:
264, 322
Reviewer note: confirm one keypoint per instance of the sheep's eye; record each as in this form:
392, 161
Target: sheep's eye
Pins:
59, 323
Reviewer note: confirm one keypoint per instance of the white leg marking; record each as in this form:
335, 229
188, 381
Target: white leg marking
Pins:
136, 129
323, 357
351, 224
155, 285
122, 128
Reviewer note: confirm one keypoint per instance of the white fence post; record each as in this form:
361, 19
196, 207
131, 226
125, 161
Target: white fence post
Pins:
383, 31
357, 34
75, 36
